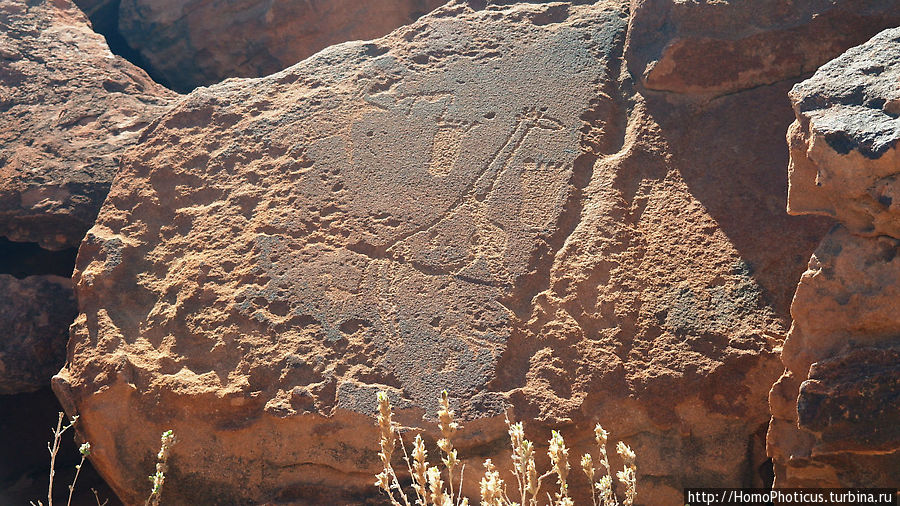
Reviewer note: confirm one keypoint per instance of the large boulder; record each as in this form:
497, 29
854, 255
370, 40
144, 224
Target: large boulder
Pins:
484, 201
834, 411
719, 47
69, 108
190, 43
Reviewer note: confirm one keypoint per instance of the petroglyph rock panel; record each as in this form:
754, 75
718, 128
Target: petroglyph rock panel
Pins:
284, 247
484, 201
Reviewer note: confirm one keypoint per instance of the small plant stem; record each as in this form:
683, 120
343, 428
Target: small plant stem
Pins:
72, 486
57, 439
462, 474
97, 498
53, 451
408, 467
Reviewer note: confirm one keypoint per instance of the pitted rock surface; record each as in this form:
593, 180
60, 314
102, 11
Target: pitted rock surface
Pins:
834, 413
69, 109
481, 202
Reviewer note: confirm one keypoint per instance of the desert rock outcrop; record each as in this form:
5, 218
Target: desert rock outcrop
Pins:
484, 201
69, 108
190, 43
835, 414
721, 47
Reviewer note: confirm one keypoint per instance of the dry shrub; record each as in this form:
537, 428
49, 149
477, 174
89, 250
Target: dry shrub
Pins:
427, 480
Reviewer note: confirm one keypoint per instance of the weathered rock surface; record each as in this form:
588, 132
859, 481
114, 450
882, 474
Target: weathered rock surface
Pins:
835, 409
481, 202
719, 47
68, 109
35, 314
844, 155
190, 43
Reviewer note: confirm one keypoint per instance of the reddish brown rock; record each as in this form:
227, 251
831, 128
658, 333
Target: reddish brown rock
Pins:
724, 46
481, 202
35, 314
834, 411
844, 155
69, 108
190, 43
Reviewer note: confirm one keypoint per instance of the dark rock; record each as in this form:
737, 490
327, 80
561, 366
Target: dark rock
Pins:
851, 401
35, 314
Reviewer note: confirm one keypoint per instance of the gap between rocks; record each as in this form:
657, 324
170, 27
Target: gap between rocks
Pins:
23, 259
104, 18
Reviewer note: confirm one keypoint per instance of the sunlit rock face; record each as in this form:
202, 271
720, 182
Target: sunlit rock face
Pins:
835, 418
488, 201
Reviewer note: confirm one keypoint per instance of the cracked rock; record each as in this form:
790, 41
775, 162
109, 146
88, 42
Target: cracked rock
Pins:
834, 410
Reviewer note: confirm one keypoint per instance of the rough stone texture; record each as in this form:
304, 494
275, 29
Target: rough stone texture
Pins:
851, 401
835, 409
719, 47
190, 43
844, 155
835, 417
35, 314
483, 202
68, 109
